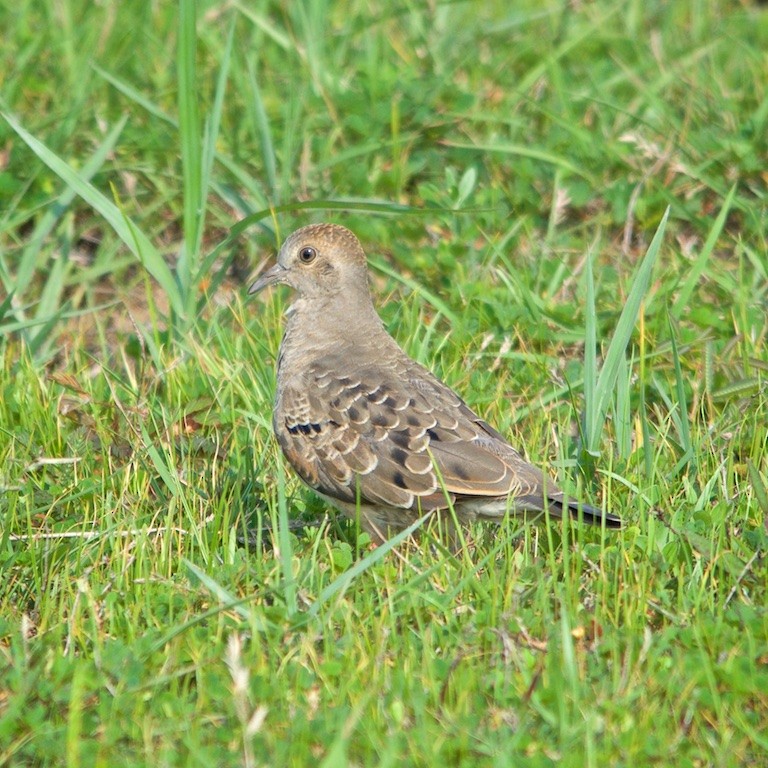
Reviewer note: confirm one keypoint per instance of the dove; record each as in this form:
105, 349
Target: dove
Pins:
371, 430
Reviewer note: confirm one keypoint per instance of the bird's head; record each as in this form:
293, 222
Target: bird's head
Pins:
319, 260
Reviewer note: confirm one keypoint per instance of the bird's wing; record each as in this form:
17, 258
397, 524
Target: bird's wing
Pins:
394, 435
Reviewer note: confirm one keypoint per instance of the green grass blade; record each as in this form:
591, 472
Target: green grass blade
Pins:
696, 271
49, 219
50, 305
134, 239
5, 307
622, 415
416, 287
590, 352
227, 599
339, 585
264, 133
228, 602
266, 24
48, 310
683, 426
284, 540
191, 144
212, 127
135, 95
620, 341
522, 150
519, 291
759, 487
160, 462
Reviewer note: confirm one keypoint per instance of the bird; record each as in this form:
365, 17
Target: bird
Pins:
371, 430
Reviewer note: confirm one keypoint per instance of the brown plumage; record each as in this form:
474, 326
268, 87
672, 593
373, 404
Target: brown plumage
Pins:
369, 428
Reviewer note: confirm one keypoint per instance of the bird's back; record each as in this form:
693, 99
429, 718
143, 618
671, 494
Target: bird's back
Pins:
382, 429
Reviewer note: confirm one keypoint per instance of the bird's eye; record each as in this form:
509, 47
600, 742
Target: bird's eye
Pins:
307, 255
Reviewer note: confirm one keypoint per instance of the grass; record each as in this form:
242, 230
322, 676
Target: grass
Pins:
170, 594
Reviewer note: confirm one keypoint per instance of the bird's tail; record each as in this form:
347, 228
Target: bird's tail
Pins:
590, 515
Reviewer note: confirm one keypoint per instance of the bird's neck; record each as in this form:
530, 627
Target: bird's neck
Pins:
321, 326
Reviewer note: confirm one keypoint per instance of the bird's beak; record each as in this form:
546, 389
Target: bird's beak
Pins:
272, 276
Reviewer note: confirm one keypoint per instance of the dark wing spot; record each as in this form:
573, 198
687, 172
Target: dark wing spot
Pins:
459, 470
354, 414
433, 435
390, 401
305, 429
399, 455
399, 480
413, 421
400, 439
379, 420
